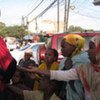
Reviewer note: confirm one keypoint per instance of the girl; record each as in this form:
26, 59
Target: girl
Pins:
43, 83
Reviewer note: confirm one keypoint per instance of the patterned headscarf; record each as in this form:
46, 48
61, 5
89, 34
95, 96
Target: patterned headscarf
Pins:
96, 41
76, 40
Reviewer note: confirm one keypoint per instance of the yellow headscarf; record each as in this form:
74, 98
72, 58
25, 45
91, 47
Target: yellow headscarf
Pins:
76, 40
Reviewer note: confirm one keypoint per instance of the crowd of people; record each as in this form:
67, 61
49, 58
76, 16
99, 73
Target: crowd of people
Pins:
76, 77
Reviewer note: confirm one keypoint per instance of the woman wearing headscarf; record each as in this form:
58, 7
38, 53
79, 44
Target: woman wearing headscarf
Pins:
88, 73
71, 48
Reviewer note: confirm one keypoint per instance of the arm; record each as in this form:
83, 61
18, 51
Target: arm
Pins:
64, 75
57, 75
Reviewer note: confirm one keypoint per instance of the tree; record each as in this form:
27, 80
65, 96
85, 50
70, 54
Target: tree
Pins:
78, 29
14, 31
75, 29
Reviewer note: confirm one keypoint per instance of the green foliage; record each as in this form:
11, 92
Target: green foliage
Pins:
13, 31
75, 29
78, 29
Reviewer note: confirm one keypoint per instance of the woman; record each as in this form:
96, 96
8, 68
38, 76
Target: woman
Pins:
71, 48
88, 74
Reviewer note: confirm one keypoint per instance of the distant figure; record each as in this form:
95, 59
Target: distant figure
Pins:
7, 67
26, 61
36, 38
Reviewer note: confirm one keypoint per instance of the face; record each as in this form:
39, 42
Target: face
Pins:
27, 56
49, 56
16, 77
92, 55
91, 45
66, 49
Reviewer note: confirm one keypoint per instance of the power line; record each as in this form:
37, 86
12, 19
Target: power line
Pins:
34, 9
44, 11
87, 15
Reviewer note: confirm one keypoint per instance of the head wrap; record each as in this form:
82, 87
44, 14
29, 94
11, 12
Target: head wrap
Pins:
76, 40
29, 51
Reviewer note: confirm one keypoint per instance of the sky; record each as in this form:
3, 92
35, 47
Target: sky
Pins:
82, 13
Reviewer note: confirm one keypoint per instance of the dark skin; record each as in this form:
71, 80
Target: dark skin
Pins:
67, 47
91, 45
49, 58
92, 55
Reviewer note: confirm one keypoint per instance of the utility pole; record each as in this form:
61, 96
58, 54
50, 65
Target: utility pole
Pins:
23, 21
36, 25
65, 10
0, 12
27, 23
57, 15
68, 6
66, 15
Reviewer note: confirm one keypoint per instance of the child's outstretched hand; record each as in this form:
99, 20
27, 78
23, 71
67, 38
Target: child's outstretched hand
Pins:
31, 70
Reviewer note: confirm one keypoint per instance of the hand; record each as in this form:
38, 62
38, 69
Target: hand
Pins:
31, 70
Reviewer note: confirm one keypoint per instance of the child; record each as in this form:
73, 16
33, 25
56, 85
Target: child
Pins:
50, 63
15, 90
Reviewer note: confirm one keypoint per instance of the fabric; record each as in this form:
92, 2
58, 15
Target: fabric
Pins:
5, 56
5, 60
77, 61
36, 95
7, 67
26, 63
33, 95
43, 66
64, 75
76, 40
